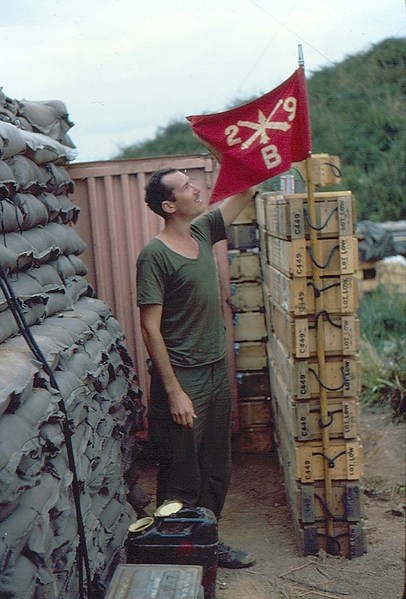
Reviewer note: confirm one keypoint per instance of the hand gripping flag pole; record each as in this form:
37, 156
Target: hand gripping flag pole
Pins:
321, 357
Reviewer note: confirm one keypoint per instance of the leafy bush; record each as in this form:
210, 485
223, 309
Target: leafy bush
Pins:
383, 351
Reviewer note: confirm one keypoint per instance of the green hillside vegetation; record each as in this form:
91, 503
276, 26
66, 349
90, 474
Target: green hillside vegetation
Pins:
357, 110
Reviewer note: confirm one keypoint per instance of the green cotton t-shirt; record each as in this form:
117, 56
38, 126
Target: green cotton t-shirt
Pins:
192, 323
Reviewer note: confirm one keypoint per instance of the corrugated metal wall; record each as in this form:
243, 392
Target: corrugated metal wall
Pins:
116, 223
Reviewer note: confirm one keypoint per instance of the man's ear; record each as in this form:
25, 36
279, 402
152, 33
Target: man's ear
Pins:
169, 206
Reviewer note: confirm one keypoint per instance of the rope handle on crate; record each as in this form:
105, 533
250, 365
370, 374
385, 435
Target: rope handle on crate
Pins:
330, 461
307, 217
317, 292
326, 509
327, 264
331, 418
328, 317
325, 386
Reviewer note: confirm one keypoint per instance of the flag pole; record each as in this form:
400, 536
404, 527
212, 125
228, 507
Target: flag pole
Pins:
321, 356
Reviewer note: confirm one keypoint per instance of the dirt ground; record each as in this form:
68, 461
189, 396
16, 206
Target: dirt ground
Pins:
257, 518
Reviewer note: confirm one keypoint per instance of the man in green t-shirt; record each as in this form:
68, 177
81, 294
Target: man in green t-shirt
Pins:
189, 416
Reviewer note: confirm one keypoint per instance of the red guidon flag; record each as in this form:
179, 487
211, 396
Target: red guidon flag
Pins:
260, 139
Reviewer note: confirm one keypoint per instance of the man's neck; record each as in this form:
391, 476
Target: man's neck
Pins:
176, 235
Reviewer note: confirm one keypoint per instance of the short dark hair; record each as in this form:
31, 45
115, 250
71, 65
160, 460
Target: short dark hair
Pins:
157, 192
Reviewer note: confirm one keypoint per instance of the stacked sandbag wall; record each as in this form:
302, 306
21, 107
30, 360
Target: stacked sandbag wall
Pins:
85, 396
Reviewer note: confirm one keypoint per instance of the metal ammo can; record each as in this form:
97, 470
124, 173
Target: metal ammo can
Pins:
177, 535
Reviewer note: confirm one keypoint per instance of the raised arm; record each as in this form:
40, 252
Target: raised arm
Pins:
180, 405
232, 206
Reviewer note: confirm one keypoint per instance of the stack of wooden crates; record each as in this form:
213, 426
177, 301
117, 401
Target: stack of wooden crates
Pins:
321, 457
247, 301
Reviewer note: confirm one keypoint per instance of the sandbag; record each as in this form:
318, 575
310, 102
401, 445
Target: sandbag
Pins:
30, 177
63, 267
11, 141
60, 208
65, 238
8, 184
47, 116
46, 277
44, 245
43, 149
34, 213
58, 181
11, 217
13, 259
77, 287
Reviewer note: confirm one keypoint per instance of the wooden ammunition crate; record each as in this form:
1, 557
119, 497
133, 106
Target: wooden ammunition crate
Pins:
326, 170
158, 581
253, 439
260, 202
301, 376
302, 418
341, 333
246, 296
288, 217
249, 326
347, 539
253, 384
309, 502
298, 295
254, 412
250, 355
244, 266
345, 459
308, 460
263, 243
242, 237
337, 256
247, 216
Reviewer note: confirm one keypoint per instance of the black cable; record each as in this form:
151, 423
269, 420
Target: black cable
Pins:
322, 266
328, 317
330, 461
83, 556
336, 171
317, 292
328, 511
325, 386
307, 217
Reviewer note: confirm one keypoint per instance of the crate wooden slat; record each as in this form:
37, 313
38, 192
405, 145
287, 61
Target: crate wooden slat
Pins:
254, 412
308, 502
287, 215
249, 326
246, 296
294, 258
253, 439
252, 384
247, 216
326, 170
244, 266
298, 294
242, 237
299, 335
250, 355
300, 376
347, 539
307, 459
302, 417
159, 581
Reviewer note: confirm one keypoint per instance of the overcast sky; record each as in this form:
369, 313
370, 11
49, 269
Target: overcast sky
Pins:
125, 67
